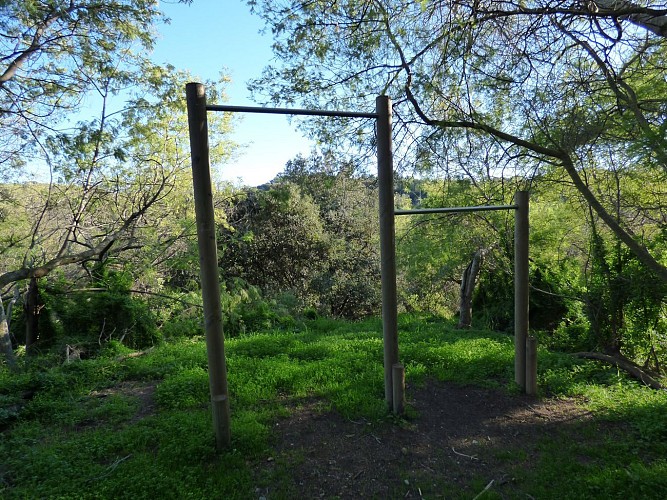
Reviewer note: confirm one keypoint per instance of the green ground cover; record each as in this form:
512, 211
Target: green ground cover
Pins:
84, 430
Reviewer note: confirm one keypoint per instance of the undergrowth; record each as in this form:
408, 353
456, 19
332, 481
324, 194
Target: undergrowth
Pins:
87, 429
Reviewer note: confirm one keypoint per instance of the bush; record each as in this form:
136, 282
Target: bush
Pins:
494, 300
569, 336
244, 309
93, 318
113, 315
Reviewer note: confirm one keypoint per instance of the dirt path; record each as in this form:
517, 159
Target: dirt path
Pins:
461, 438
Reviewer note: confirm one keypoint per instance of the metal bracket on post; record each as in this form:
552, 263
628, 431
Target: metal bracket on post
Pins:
208, 262
531, 365
398, 381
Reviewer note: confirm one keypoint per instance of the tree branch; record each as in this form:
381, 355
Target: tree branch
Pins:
625, 365
35, 45
95, 251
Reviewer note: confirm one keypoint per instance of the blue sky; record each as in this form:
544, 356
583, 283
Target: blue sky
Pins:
211, 36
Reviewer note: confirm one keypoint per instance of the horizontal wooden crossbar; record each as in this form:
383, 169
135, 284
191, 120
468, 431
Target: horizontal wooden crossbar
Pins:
288, 111
450, 210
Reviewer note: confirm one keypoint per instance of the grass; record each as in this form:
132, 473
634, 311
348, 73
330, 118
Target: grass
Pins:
71, 431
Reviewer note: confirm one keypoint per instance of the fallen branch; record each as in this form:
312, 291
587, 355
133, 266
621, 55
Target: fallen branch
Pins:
135, 354
624, 364
111, 468
471, 457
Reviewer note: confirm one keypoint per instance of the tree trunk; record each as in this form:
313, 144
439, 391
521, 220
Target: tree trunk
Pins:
32, 309
6, 341
13, 301
468, 281
642, 254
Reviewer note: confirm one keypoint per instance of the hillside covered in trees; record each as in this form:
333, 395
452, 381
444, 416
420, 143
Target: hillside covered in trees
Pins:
574, 114
306, 245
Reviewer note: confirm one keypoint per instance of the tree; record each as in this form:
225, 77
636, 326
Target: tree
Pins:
441, 258
52, 53
274, 240
5, 340
545, 85
107, 173
110, 174
311, 232
348, 284
116, 176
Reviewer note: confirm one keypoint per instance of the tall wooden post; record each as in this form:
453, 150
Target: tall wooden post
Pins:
387, 244
520, 287
208, 262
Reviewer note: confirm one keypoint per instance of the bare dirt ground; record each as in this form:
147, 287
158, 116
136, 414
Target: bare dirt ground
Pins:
459, 439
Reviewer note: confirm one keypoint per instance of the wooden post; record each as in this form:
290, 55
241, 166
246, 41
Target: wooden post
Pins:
208, 262
531, 365
387, 243
520, 287
398, 379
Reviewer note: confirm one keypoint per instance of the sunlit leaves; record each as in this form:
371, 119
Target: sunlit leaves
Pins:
54, 51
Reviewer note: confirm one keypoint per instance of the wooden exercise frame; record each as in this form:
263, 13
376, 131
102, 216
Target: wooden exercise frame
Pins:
394, 374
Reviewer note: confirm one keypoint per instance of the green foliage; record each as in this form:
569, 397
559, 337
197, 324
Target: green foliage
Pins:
495, 117
114, 175
433, 251
246, 310
274, 241
111, 314
187, 324
312, 235
185, 389
9, 409
54, 52
571, 335
347, 285
579, 274
495, 300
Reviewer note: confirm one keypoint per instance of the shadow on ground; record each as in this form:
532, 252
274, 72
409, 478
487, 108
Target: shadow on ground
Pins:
463, 442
